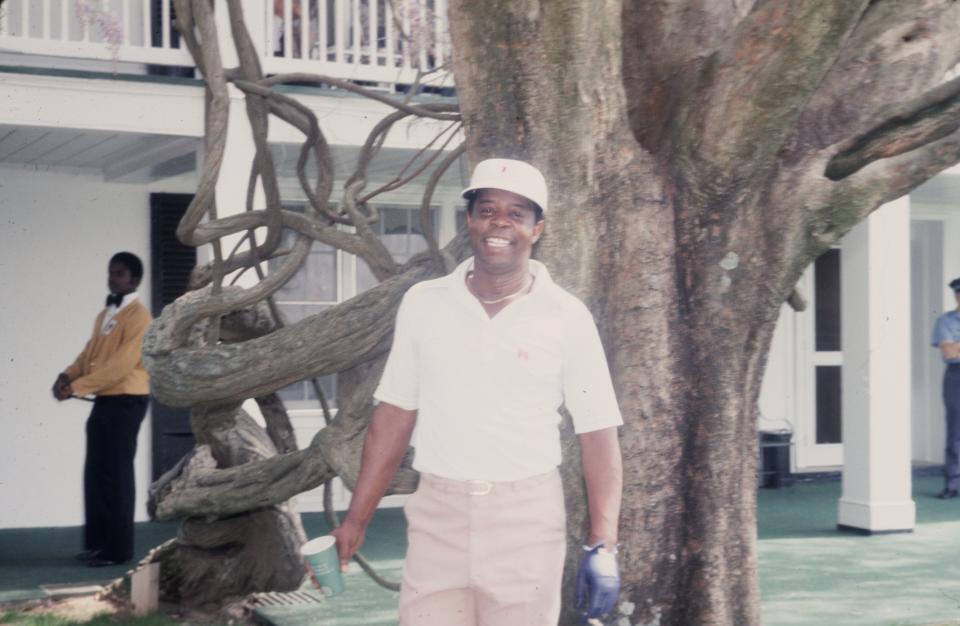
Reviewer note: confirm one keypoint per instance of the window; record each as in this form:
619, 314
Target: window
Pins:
330, 276
827, 339
827, 301
828, 398
399, 229
315, 286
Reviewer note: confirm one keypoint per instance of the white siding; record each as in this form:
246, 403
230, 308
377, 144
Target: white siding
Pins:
57, 233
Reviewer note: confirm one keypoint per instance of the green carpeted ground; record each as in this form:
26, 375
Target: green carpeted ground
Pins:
810, 574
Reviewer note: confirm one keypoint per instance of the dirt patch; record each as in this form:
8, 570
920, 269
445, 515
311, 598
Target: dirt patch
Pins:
84, 608
80, 609
235, 613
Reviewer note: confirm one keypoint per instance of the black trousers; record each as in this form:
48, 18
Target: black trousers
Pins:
109, 491
951, 402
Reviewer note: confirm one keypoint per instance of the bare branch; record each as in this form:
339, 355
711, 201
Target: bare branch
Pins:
278, 423
200, 488
408, 173
299, 222
301, 117
217, 113
252, 486
897, 50
755, 87
931, 117
257, 113
823, 211
796, 300
328, 342
434, 110
369, 247
199, 305
426, 221
891, 178
185, 24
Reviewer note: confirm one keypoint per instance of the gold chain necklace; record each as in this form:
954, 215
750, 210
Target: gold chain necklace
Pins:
526, 285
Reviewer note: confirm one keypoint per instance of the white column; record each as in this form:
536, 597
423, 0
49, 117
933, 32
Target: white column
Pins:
875, 282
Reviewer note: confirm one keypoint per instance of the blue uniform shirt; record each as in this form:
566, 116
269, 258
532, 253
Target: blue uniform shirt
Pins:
947, 329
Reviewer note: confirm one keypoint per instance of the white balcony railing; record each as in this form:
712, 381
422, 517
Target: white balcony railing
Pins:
377, 41
357, 39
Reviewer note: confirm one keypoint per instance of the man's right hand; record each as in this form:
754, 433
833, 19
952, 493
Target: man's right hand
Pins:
349, 538
61, 388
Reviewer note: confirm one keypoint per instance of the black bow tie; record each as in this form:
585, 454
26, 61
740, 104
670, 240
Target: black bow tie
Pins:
115, 299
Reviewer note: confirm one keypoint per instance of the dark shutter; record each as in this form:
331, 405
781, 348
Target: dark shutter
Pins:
170, 265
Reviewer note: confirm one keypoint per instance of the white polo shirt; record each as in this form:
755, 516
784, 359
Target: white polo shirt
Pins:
487, 391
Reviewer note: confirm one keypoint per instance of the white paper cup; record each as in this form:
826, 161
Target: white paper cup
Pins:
321, 555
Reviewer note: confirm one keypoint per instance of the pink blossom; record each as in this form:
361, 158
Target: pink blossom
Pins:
108, 24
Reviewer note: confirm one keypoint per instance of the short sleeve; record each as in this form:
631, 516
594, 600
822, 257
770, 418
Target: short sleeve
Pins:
400, 382
941, 332
587, 389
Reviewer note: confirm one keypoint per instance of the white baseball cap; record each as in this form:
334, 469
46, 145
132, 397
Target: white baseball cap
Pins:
511, 175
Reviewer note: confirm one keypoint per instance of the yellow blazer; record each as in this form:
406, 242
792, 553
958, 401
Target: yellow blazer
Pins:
110, 364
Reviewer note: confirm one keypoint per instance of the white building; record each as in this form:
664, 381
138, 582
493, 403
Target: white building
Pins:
99, 150
100, 142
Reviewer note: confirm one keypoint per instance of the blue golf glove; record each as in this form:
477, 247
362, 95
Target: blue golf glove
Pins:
598, 582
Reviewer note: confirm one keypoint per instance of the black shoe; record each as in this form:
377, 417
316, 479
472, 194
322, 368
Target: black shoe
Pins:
102, 562
947, 494
86, 555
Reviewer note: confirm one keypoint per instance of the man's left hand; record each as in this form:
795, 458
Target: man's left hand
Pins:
598, 582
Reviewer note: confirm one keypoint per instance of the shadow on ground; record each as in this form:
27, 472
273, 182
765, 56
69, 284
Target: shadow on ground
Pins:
810, 573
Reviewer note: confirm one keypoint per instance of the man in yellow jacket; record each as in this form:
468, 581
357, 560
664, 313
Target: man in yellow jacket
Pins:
110, 368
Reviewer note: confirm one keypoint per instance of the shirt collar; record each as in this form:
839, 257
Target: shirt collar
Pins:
127, 299
458, 277
538, 269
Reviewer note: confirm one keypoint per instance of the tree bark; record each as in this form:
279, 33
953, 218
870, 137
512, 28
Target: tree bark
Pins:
665, 130
699, 157
228, 555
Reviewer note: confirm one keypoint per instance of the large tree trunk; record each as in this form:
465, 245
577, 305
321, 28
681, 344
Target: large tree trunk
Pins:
676, 222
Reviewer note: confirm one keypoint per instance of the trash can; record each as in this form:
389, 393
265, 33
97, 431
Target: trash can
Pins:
775, 460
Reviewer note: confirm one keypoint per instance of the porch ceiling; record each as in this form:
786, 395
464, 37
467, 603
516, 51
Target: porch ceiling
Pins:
145, 157
118, 156
943, 189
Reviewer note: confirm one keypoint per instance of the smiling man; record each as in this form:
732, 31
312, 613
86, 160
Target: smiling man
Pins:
110, 368
482, 361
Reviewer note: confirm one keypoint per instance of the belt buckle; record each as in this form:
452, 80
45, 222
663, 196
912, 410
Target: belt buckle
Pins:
479, 487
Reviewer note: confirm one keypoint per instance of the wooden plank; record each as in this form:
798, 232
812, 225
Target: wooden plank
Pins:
145, 15
165, 23
46, 19
145, 589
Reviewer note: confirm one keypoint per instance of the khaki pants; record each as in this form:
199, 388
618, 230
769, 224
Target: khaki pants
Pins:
484, 554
